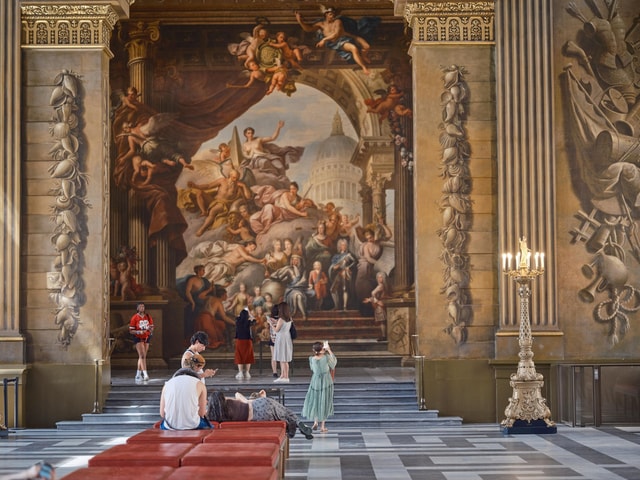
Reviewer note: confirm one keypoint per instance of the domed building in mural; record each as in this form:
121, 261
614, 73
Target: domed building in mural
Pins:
332, 177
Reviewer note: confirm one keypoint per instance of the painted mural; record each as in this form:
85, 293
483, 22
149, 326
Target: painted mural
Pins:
249, 176
601, 84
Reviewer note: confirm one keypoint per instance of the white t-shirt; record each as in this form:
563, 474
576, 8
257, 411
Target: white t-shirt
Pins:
181, 403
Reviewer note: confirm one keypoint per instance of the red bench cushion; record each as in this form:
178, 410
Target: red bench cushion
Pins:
269, 424
153, 435
225, 473
121, 473
232, 454
241, 435
136, 455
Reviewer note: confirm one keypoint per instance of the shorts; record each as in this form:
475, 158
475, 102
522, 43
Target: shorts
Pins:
137, 339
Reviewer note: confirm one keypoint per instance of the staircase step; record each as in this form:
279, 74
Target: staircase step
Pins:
370, 397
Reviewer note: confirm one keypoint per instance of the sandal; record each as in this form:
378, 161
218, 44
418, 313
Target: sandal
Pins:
315, 426
324, 430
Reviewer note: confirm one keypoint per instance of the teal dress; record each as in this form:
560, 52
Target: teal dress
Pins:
318, 403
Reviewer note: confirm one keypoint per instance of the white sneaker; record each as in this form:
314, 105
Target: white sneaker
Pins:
247, 375
239, 376
145, 378
284, 380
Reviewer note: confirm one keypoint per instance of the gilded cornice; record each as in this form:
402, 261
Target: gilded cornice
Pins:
451, 22
67, 25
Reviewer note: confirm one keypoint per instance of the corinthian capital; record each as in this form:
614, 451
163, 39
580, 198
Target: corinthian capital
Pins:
140, 36
451, 22
56, 25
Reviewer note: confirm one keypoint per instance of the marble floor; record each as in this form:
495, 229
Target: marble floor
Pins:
412, 452
469, 452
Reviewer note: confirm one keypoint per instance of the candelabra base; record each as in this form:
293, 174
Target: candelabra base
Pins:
527, 411
532, 427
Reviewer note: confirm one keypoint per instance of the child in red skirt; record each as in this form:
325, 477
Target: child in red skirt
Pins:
244, 344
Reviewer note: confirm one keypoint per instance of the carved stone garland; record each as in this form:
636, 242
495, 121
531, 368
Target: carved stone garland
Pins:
455, 205
69, 208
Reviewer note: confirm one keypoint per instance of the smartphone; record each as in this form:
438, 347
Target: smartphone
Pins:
326, 344
46, 470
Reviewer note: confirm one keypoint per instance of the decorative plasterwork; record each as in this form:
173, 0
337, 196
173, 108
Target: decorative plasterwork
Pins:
69, 209
455, 204
67, 25
451, 22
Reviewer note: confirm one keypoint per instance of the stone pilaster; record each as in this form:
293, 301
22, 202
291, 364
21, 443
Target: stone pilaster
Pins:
65, 54
450, 37
12, 349
526, 159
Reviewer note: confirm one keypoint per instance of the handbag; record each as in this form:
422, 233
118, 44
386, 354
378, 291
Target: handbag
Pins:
293, 331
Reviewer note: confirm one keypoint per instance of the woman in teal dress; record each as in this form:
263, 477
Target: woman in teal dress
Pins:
318, 404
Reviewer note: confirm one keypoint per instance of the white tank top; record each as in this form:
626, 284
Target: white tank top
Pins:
181, 403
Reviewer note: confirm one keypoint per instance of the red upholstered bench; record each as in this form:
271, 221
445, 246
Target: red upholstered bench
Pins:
269, 424
135, 455
121, 473
234, 455
154, 435
276, 434
225, 473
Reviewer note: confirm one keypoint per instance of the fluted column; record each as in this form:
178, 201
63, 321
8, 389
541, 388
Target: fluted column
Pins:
140, 37
378, 185
526, 176
403, 219
367, 204
11, 342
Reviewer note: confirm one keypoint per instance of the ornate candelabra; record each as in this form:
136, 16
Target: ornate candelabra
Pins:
527, 411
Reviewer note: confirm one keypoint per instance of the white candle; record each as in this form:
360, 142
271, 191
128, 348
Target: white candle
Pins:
542, 261
509, 258
528, 259
518, 260
537, 258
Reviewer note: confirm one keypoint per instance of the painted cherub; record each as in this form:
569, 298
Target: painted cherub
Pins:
123, 283
290, 51
279, 77
389, 100
254, 73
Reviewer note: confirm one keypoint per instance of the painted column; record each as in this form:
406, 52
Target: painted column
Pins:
526, 159
367, 204
403, 277
140, 37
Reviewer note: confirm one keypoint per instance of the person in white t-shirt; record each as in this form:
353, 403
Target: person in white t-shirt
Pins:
183, 402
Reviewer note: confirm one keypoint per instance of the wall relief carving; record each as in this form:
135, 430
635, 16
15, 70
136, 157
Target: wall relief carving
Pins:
69, 207
601, 96
455, 204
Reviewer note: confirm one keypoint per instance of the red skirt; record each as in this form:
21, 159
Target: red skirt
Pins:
244, 352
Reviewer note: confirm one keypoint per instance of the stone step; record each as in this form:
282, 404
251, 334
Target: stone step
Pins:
131, 427
364, 397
